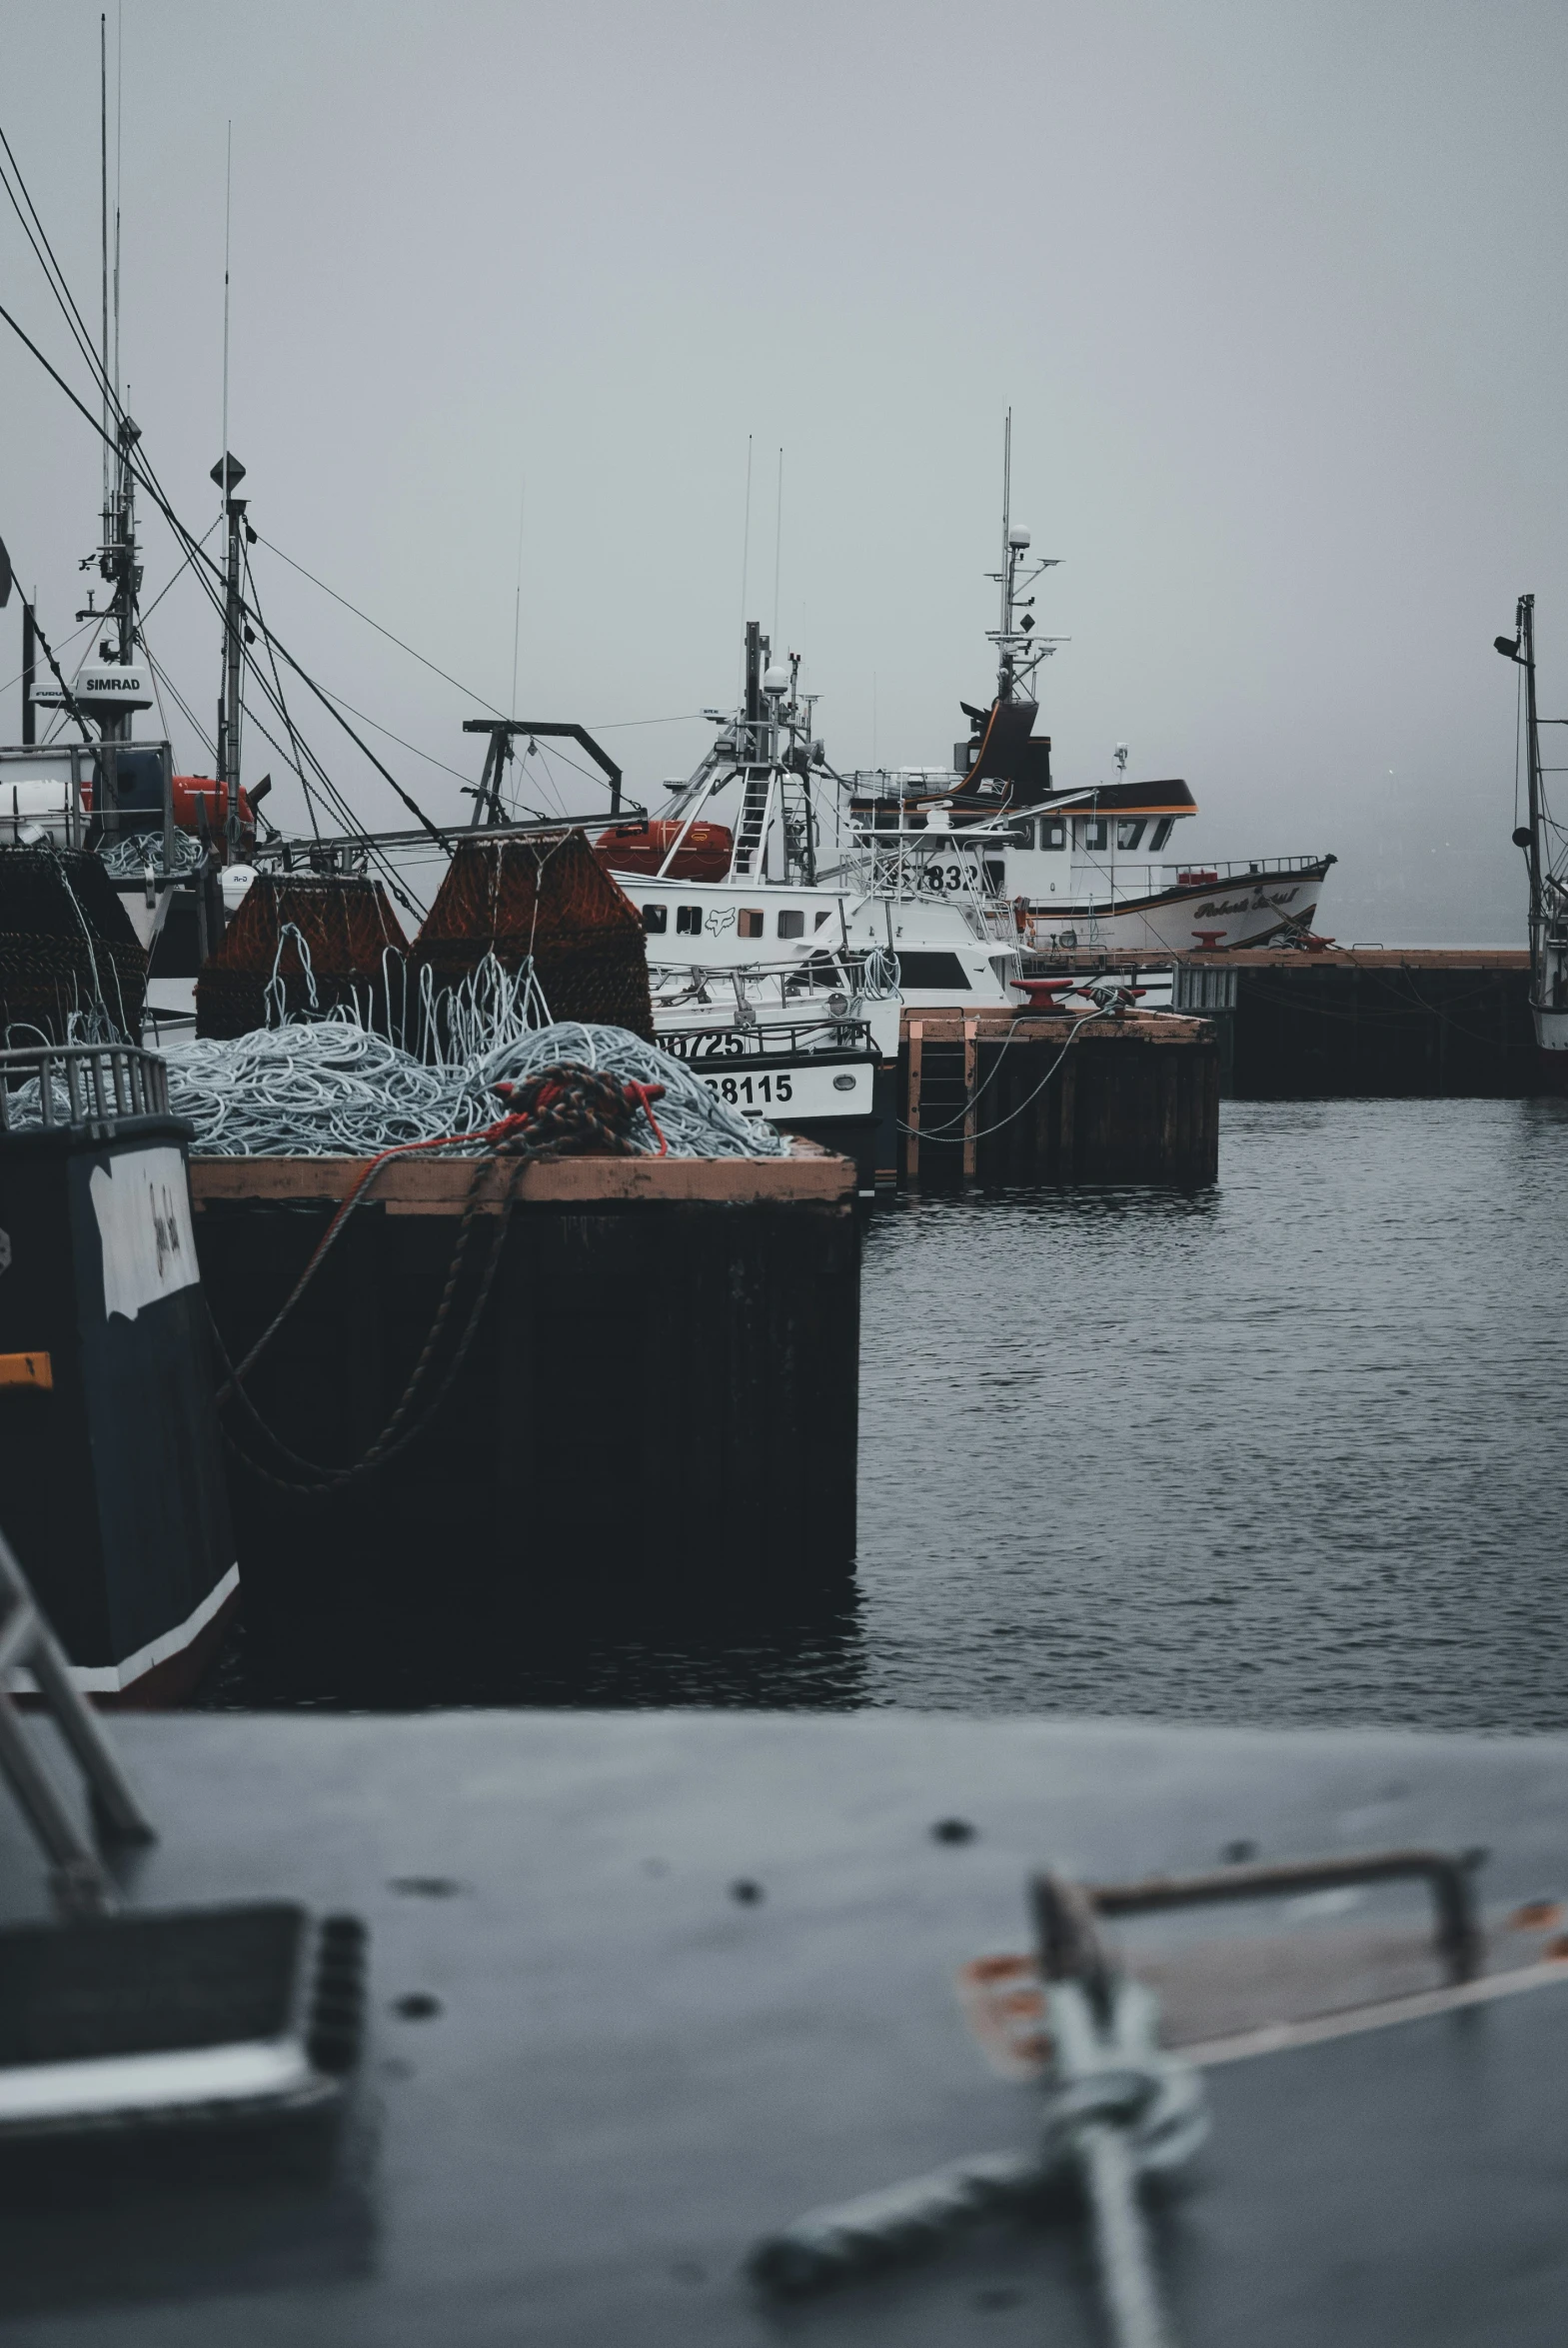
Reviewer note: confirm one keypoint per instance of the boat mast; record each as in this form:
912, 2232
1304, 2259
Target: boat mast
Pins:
227, 473
1004, 665
117, 547
1526, 619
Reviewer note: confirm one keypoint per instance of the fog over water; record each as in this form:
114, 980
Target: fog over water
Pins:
1273, 294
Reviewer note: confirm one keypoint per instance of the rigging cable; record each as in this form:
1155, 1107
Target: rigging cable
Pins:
310, 801
142, 471
379, 631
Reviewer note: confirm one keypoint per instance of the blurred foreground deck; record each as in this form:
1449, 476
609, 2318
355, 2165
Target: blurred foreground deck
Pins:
647, 1985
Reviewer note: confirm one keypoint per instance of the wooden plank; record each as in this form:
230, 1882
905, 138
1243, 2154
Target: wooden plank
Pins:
912, 1160
808, 1176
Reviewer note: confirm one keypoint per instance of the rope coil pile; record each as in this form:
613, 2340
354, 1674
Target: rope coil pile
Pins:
333, 1089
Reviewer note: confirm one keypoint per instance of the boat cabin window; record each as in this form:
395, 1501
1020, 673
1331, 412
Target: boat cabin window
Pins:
1021, 831
655, 919
689, 920
1054, 831
751, 921
1161, 834
791, 925
817, 925
1129, 833
1096, 831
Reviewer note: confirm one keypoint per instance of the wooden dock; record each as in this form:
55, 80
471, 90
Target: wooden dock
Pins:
1365, 1021
657, 1399
990, 1096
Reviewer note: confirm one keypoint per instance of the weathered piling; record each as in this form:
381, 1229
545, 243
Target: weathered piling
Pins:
658, 1400
988, 1096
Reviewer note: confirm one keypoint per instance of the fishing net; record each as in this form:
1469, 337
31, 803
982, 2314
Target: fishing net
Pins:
300, 945
71, 967
548, 906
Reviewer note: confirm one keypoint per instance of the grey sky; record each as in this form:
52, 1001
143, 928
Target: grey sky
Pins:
1275, 294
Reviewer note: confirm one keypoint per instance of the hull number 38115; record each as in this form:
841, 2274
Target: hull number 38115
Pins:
752, 1091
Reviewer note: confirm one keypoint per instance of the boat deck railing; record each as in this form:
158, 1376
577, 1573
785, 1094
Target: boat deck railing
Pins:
67, 1088
773, 1039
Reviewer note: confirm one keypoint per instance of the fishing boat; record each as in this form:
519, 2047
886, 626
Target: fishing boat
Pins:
1080, 868
1546, 854
791, 880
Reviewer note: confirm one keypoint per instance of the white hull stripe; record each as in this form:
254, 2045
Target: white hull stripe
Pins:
111, 1678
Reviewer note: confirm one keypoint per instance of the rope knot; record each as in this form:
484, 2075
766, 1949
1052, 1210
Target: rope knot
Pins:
568, 1110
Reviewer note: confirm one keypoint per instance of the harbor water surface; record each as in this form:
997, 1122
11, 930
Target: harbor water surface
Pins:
1286, 1450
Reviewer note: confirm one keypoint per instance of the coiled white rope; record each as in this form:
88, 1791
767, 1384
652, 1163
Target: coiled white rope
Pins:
332, 1088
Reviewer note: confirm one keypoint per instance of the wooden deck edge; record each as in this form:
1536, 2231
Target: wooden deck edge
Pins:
993, 1026
808, 1177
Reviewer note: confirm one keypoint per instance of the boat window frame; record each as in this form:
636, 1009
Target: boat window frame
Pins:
655, 919
1129, 831
1163, 827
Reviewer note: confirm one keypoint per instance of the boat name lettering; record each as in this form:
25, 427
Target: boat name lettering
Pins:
1259, 899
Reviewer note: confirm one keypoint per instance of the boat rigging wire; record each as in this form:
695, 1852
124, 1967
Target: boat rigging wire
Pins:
620, 725
310, 801
71, 703
161, 672
139, 465
273, 548
65, 640
140, 468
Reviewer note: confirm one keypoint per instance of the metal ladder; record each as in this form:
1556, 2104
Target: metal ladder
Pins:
754, 817
79, 1882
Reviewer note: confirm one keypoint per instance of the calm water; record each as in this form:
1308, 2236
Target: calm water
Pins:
1290, 1449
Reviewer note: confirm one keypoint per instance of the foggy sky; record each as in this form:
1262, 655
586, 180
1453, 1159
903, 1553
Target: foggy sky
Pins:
1275, 295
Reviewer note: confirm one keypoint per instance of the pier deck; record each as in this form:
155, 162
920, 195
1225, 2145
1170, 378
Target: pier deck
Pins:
657, 1401
1367, 1022
999, 1097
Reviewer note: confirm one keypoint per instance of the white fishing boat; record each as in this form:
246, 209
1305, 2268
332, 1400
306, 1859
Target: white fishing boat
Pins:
1547, 856
1075, 868
790, 881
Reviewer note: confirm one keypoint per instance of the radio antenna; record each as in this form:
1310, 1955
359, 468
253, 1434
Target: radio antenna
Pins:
225, 485
778, 542
119, 117
745, 546
103, 230
517, 608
